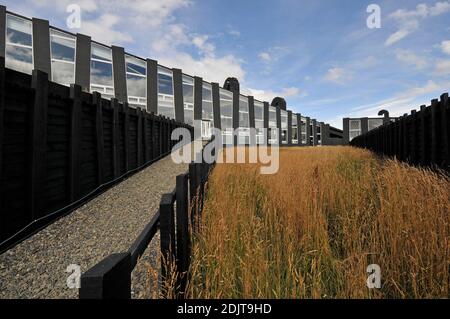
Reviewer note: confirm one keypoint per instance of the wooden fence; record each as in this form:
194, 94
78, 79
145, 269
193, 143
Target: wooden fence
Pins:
60, 146
421, 138
111, 278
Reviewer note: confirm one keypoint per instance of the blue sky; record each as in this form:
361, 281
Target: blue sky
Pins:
319, 55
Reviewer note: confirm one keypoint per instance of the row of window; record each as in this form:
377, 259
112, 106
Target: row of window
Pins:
19, 56
356, 130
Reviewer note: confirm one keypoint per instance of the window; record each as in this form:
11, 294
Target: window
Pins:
165, 93
102, 70
273, 130
259, 122
19, 44
284, 127
374, 123
294, 129
244, 121
62, 50
226, 115
319, 134
207, 110
354, 128
303, 130
188, 98
136, 71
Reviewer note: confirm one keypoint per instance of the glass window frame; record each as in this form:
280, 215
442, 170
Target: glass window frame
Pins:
66, 36
103, 89
134, 100
19, 45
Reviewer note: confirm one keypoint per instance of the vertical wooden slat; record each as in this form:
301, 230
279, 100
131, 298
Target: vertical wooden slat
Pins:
97, 102
422, 138
145, 137
75, 145
115, 134
126, 127
183, 240
139, 138
2, 119
167, 237
444, 106
434, 131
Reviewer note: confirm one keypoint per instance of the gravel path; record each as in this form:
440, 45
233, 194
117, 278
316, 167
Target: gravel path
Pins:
110, 223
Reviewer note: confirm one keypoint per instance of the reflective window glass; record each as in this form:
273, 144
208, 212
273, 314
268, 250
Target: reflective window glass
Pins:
19, 44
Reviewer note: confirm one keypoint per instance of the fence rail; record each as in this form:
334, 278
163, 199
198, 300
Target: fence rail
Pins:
421, 138
60, 146
111, 278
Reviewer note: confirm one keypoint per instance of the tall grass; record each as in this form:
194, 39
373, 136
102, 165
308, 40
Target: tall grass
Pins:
311, 230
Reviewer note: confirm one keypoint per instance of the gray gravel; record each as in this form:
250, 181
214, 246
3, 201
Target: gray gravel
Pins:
108, 224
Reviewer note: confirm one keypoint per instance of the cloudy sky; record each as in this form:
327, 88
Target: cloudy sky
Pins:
318, 54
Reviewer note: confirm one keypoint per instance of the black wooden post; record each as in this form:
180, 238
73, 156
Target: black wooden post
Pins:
126, 128
167, 234
97, 102
115, 135
140, 157
183, 240
145, 137
423, 134
444, 106
434, 131
38, 141
109, 279
2, 123
75, 142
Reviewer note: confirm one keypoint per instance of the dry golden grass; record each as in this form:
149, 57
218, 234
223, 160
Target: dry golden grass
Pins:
311, 230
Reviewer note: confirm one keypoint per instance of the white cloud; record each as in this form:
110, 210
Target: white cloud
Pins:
410, 58
440, 8
405, 101
409, 20
205, 47
269, 95
443, 67
103, 30
338, 75
265, 57
445, 46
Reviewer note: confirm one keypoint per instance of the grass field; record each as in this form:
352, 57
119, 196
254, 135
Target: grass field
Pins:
311, 230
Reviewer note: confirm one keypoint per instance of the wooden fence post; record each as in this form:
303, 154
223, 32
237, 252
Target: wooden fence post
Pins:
139, 138
115, 136
2, 123
444, 106
145, 137
413, 129
109, 279
193, 192
38, 141
183, 239
75, 142
126, 127
435, 128
97, 102
423, 134
167, 235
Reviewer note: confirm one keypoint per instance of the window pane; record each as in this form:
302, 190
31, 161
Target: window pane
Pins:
355, 125
18, 30
62, 46
165, 82
101, 73
100, 52
354, 134
19, 59
135, 65
63, 73
259, 111
272, 117
374, 123
136, 85
284, 123
207, 106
